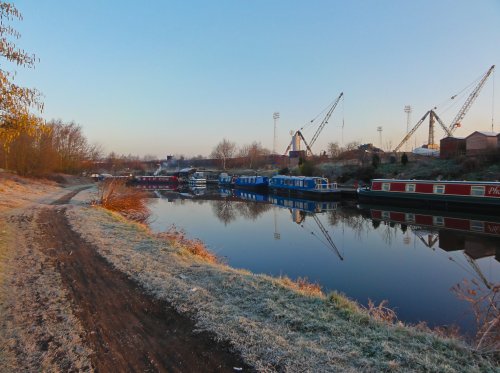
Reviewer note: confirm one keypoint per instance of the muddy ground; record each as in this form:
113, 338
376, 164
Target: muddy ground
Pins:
124, 329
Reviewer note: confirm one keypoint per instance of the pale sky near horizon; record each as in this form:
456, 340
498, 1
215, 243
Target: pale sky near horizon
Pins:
175, 77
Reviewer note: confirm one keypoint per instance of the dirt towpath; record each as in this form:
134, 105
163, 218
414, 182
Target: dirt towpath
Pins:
126, 329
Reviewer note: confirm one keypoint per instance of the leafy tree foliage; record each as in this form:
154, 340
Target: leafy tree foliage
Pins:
15, 101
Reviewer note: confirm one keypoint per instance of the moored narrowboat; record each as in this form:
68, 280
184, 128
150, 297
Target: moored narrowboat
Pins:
226, 180
480, 224
259, 183
311, 187
428, 193
198, 179
156, 179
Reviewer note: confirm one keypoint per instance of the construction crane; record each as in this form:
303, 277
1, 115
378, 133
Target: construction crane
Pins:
432, 118
456, 122
297, 136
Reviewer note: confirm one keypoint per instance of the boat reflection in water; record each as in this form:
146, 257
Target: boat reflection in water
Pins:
413, 258
477, 235
299, 209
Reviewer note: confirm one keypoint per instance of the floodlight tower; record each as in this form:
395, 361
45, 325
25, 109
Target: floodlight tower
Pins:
276, 116
379, 129
408, 109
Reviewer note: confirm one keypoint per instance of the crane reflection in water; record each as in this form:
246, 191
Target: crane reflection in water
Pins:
415, 259
475, 237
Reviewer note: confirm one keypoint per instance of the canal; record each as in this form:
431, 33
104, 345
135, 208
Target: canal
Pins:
421, 262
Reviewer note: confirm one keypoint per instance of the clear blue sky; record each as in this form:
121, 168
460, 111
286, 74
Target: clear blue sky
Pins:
175, 77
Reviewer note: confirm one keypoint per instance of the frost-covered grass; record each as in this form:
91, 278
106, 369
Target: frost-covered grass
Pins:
17, 191
269, 321
38, 329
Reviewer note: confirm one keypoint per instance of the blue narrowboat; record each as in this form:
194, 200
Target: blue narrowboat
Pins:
259, 183
250, 195
226, 180
307, 186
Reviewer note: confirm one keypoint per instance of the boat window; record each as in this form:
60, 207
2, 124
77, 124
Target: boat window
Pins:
386, 187
410, 218
410, 188
477, 190
438, 220
477, 226
439, 189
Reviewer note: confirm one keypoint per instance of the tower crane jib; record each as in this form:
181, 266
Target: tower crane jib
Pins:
318, 131
325, 120
456, 122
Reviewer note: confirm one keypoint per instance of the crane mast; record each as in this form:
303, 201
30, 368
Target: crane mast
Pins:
470, 100
325, 120
318, 131
454, 123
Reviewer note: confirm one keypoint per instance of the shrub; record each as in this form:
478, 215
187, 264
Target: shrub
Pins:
307, 168
115, 195
404, 159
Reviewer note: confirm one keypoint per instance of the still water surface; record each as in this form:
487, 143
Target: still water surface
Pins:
407, 257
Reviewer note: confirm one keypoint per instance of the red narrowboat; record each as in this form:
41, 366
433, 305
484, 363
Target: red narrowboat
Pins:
429, 193
465, 223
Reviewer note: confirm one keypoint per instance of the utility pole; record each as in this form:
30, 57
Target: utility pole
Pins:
276, 116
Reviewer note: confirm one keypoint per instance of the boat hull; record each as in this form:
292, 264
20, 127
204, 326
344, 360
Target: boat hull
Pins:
319, 195
450, 202
253, 187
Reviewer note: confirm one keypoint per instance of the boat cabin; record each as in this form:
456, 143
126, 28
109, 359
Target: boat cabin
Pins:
299, 182
429, 187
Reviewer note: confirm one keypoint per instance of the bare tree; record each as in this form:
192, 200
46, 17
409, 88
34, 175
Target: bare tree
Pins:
223, 151
353, 145
253, 153
334, 149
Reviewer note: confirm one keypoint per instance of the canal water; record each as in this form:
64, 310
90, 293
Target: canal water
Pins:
414, 259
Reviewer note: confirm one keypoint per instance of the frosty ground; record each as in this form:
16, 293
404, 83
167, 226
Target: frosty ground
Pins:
82, 288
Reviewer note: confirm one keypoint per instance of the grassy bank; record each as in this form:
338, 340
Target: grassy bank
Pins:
38, 329
274, 323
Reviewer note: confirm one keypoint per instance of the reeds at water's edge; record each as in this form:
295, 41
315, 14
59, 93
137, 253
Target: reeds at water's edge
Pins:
115, 195
177, 237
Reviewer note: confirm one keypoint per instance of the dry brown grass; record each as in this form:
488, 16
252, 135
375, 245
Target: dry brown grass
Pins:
177, 237
272, 325
115, 195
485, 304
303, 286
381, 312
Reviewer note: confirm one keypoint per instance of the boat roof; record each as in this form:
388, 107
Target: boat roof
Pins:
437, 181
296, 177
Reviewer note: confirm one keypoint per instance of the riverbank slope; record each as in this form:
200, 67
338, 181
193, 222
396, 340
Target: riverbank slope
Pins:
270, 323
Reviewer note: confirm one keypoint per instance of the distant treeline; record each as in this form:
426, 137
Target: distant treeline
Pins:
52, 147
